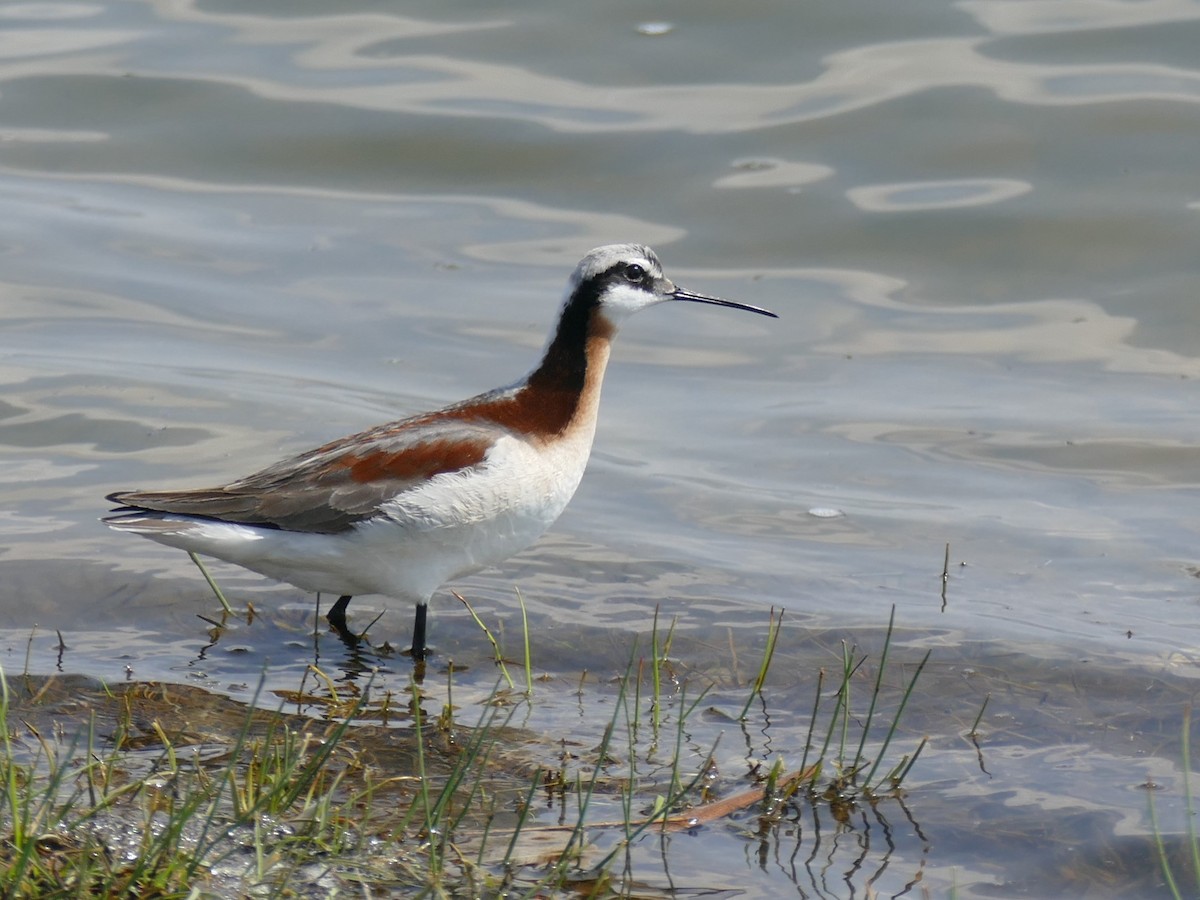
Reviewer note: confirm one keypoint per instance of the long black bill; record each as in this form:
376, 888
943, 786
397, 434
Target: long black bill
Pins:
681, 294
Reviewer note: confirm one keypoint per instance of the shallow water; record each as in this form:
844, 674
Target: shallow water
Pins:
231, 235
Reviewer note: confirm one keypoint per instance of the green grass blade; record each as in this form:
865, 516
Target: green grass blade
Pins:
1187, 794
528, 654
1168, 875
883, 657
908, 691
773, 627
211, 583
491, 639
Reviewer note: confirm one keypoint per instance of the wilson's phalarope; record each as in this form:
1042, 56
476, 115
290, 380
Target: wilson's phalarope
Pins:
407, 506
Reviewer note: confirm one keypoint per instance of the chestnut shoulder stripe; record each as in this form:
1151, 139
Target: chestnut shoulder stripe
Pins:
413, 463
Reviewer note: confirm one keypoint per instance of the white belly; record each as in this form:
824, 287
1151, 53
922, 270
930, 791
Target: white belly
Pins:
453, 524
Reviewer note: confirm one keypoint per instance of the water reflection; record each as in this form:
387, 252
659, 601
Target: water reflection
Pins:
842, 850
233, 232
1049, 16
936, 194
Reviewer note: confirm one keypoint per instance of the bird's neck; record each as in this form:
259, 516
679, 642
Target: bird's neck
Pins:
561, 396
582, 333
563, 392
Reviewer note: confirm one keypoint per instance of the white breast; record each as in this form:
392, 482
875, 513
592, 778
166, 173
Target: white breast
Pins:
462, 521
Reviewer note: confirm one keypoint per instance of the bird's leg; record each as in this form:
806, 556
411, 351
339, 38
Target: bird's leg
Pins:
418, 642
337, 614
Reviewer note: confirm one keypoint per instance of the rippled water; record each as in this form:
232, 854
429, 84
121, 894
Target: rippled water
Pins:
233, 232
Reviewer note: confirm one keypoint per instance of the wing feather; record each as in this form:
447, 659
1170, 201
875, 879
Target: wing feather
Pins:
329, 489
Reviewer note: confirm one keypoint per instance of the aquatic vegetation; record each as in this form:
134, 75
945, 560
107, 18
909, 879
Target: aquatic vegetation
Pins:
164, 790
1184, 864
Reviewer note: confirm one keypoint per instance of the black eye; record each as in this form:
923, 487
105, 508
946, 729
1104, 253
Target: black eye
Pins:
635, 273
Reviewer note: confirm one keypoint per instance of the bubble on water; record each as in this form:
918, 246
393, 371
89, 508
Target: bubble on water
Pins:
655, 29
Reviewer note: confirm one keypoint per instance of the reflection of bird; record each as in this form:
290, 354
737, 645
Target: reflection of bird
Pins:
404, 507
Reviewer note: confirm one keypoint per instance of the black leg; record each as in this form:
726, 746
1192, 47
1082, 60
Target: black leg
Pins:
337, 613
418, 644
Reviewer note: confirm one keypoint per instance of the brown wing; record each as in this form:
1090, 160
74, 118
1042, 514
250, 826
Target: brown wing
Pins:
332, 487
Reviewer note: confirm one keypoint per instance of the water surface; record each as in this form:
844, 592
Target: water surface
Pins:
233, 233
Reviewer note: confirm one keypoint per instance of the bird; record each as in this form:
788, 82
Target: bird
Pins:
402, 508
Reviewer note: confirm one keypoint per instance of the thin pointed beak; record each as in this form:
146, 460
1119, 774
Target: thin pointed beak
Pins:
681, 294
